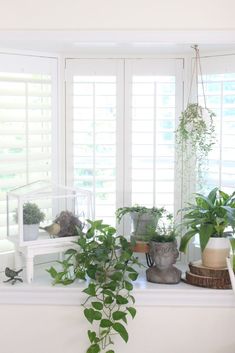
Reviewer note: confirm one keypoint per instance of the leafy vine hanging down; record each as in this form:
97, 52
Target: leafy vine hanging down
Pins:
195, 137
107, 261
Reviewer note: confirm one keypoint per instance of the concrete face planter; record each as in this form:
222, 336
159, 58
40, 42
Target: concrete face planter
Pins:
143, 223
216, 252
30, 231
164, 256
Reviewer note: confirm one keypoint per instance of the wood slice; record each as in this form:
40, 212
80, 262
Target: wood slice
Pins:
198, 269
207, 282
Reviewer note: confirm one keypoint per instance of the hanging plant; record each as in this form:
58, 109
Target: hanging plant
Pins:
195, 135
107, 261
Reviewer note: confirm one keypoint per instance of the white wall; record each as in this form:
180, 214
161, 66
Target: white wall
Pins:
117, 14
60, 329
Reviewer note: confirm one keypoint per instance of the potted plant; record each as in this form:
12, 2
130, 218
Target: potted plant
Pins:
32, 216
164, 252
209, 217
144, 220
108, 262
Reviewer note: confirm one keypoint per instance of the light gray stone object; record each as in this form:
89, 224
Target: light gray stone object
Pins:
164, 256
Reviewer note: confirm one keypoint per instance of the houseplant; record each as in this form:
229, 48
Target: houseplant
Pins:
164, 252
108, 262
144, 219
32, 216
209, 217
195, 134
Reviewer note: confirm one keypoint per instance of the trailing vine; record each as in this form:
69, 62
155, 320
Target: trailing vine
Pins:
107, 261
195, 137
195, 134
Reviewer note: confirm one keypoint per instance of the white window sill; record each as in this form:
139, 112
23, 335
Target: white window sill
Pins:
41, 292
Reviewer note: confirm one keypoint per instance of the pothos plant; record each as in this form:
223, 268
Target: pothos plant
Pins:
195, 136
107, 261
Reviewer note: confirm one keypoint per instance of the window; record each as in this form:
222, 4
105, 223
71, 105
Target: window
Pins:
121, 117
28, 93
219, 82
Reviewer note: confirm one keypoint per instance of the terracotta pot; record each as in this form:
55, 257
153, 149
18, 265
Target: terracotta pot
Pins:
216, 252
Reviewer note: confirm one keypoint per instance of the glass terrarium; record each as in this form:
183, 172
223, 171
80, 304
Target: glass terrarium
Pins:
41, 212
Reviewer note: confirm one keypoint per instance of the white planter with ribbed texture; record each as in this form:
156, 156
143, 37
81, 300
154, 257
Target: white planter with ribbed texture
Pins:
30, 231
216, 252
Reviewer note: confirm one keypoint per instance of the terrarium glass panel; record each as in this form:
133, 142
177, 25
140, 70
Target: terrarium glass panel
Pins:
44, 212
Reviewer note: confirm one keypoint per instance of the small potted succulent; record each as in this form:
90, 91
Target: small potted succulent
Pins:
144, 220
164, 252
209, 217
32, 216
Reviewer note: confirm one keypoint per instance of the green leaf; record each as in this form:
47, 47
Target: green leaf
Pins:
119, 266
105, 323
70, 252
67, 281
116, 276
91, 271
121, 300
92, 315
205, 232
94, 348
185, 239
97, 315
118, 315
212, 195
88, 315
108, 300
52, 272
97, 305
132, 311
133, 276
90, 290
119, 328
232, 242
132, 298
91, 335
128, 285
110, 351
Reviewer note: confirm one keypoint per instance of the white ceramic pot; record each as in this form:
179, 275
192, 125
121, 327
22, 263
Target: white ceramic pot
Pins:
216, 252
30, 231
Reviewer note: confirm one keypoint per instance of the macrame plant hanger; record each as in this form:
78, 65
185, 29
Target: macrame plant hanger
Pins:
197, 69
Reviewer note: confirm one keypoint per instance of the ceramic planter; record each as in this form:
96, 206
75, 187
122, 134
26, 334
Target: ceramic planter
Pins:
164, 256
216, 252
30, 231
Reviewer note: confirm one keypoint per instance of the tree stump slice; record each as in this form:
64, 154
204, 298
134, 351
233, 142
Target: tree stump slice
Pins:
206, 277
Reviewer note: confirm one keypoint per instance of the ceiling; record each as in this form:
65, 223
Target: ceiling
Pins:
118, 42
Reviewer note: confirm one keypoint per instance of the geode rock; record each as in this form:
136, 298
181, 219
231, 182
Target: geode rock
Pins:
69, 224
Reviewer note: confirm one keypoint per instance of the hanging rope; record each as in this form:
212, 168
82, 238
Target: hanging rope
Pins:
197, 69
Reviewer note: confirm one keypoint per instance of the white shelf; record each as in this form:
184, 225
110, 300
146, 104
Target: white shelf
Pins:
41, 292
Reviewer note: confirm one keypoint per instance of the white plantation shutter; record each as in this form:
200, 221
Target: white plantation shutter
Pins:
154, 87
95, 121
27, 123
219, 82
120, 131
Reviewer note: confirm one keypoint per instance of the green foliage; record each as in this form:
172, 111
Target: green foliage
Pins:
122, 211
208, 217
31, 214
166, 230
195, 136
108, 262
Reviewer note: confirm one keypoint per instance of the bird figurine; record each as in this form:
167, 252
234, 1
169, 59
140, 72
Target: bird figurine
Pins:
12, 275
53, 229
